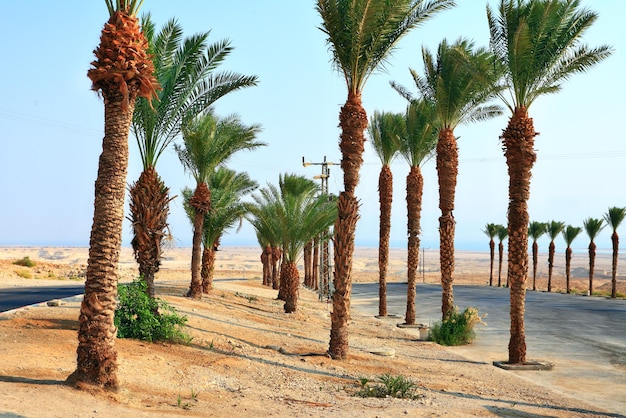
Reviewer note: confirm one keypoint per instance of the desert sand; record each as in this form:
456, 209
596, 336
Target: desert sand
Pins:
247, 357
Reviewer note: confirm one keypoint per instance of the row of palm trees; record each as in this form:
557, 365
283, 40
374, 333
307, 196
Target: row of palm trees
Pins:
592, 226
534, 47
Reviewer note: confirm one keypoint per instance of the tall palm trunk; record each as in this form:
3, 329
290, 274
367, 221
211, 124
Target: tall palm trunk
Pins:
290, 276
447, 170
277, 253
535, 262
615, 242
492, 247
568, 262
518, 143
414, 187
316, 264
592, 264
201, 202
500, 257
266, 262
385, 191
308, 265
283, 286
96, 354
208, 268
353, 121
149, 208
551, 251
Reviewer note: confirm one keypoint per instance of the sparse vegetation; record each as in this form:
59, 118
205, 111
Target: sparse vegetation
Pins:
249, 298
24, 274
388, 386
25, 262
141, 317
457, 328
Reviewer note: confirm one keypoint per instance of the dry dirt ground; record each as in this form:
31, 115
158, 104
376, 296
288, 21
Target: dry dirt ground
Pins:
247, 357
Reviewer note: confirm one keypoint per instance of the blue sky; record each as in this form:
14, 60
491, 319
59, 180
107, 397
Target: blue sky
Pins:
51, 123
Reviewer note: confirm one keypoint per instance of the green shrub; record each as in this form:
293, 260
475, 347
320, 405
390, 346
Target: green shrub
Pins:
141, 317
24, 274
457, 328
388, 386
25, 261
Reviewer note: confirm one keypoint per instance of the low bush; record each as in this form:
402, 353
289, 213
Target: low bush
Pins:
457, 328
388, 386
140, 317
25, 262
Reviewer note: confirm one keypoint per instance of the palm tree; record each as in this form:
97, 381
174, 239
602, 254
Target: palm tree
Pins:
537, 43
614, 217
535, 231
361, 35
209, 141
593, 227
185, 70
491, 230
553, 230
227, 189
569, 235
121, 72
502, 232
301, 213
384, 131
418, 145
459, 81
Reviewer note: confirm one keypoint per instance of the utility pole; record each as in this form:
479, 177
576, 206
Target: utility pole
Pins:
325, 267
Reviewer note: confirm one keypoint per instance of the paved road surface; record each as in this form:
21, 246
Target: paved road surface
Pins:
16, 297
584, 337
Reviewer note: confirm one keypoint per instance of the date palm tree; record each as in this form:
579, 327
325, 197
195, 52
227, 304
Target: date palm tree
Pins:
491, 230
385, 130
553, 230
569, 235
122, 71
418, 145
535, 231
361, 35
502, 232
538, 45
614, 217
185, 69
459, 80
301, 213
209, 141
227, 209
592, 226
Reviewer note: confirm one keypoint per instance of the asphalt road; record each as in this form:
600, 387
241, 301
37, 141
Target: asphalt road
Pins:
17, 297
584, 337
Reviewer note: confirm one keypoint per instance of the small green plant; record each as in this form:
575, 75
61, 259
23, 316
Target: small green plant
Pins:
24, 274
249, 298
388, 386
25, 262
141, 317
457, 328
187, 405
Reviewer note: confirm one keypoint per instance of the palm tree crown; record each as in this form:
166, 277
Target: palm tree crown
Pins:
593, 226
537, 43
570, 233
614, 217
385, 131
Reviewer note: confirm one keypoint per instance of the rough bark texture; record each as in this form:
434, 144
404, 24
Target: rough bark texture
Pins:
551, 251
414, 187
315, 273
201, 203
592, 264
308, 264
290, 276
353, 121
282, 285
266, 257
492, 247
277, 253
615, 242
385, 193
208, 267
568, 263
535, 261
345, 226
447, 172
518, 142
149, 209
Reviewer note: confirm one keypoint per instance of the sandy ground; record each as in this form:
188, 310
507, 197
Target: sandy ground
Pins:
250, 358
